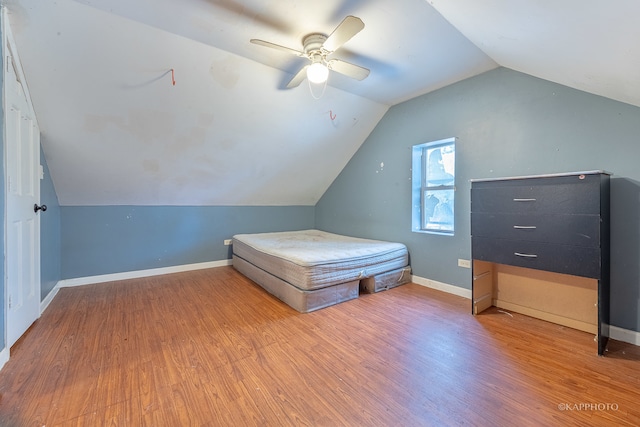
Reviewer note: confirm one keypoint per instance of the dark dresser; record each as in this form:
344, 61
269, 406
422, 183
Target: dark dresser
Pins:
540, 246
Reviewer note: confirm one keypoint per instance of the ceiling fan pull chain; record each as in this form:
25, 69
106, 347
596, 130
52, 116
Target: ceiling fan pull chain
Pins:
324, 87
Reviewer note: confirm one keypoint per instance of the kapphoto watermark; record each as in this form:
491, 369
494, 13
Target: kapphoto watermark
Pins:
588, 406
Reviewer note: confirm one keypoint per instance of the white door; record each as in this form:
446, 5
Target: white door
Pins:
22, 166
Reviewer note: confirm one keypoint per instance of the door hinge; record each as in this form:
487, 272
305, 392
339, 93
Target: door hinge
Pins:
9, 300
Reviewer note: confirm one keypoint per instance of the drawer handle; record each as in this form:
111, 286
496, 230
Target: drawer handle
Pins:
480, 276
524, 200
524, 227
525, 255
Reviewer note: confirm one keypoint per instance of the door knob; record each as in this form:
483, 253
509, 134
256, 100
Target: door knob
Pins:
37, 208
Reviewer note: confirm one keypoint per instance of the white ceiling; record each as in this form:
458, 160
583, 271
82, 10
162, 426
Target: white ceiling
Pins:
116, 131
589, 45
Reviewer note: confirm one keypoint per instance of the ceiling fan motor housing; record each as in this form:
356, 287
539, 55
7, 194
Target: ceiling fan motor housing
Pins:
313, 44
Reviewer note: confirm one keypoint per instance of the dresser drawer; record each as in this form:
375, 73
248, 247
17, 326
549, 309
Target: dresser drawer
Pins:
538, 195
564, 229
567, 259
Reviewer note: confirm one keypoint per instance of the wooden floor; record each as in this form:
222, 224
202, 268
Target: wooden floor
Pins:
210, 348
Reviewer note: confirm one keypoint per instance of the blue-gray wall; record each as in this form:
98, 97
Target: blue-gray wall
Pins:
49, 233
113, 239
507, 124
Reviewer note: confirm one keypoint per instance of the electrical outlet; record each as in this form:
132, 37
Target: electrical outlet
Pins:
227, 242
464, 263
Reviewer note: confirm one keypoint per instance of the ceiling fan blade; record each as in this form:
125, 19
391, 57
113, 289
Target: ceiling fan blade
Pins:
349, 27
277, 46
298, 78
348, 69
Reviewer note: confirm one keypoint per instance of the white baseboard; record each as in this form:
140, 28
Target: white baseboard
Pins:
4, 356
615, 333
624, 335
450, 289
80, 281
47, 300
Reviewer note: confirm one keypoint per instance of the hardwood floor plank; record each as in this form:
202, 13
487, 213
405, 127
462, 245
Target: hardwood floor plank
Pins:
211, 348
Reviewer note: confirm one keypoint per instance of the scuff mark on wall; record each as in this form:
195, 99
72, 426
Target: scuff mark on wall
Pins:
205, 119
151, 165
144, 125
224, 71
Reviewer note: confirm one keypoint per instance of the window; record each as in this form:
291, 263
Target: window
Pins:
433, 177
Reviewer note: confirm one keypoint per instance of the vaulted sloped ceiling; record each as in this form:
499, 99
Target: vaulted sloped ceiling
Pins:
115, 130
588, 45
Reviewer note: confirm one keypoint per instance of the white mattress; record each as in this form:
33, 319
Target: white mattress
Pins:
314, 259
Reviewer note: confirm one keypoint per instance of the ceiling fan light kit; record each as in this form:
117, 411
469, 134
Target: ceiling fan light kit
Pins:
316, 48
317, 72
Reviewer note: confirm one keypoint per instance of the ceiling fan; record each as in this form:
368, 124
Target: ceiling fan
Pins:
317, 47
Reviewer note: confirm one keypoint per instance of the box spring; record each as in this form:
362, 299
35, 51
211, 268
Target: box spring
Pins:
303, 301
312, 269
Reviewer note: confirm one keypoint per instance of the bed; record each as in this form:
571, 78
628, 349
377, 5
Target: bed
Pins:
313, 269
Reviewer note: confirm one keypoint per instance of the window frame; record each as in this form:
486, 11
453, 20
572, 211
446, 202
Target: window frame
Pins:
421, 187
